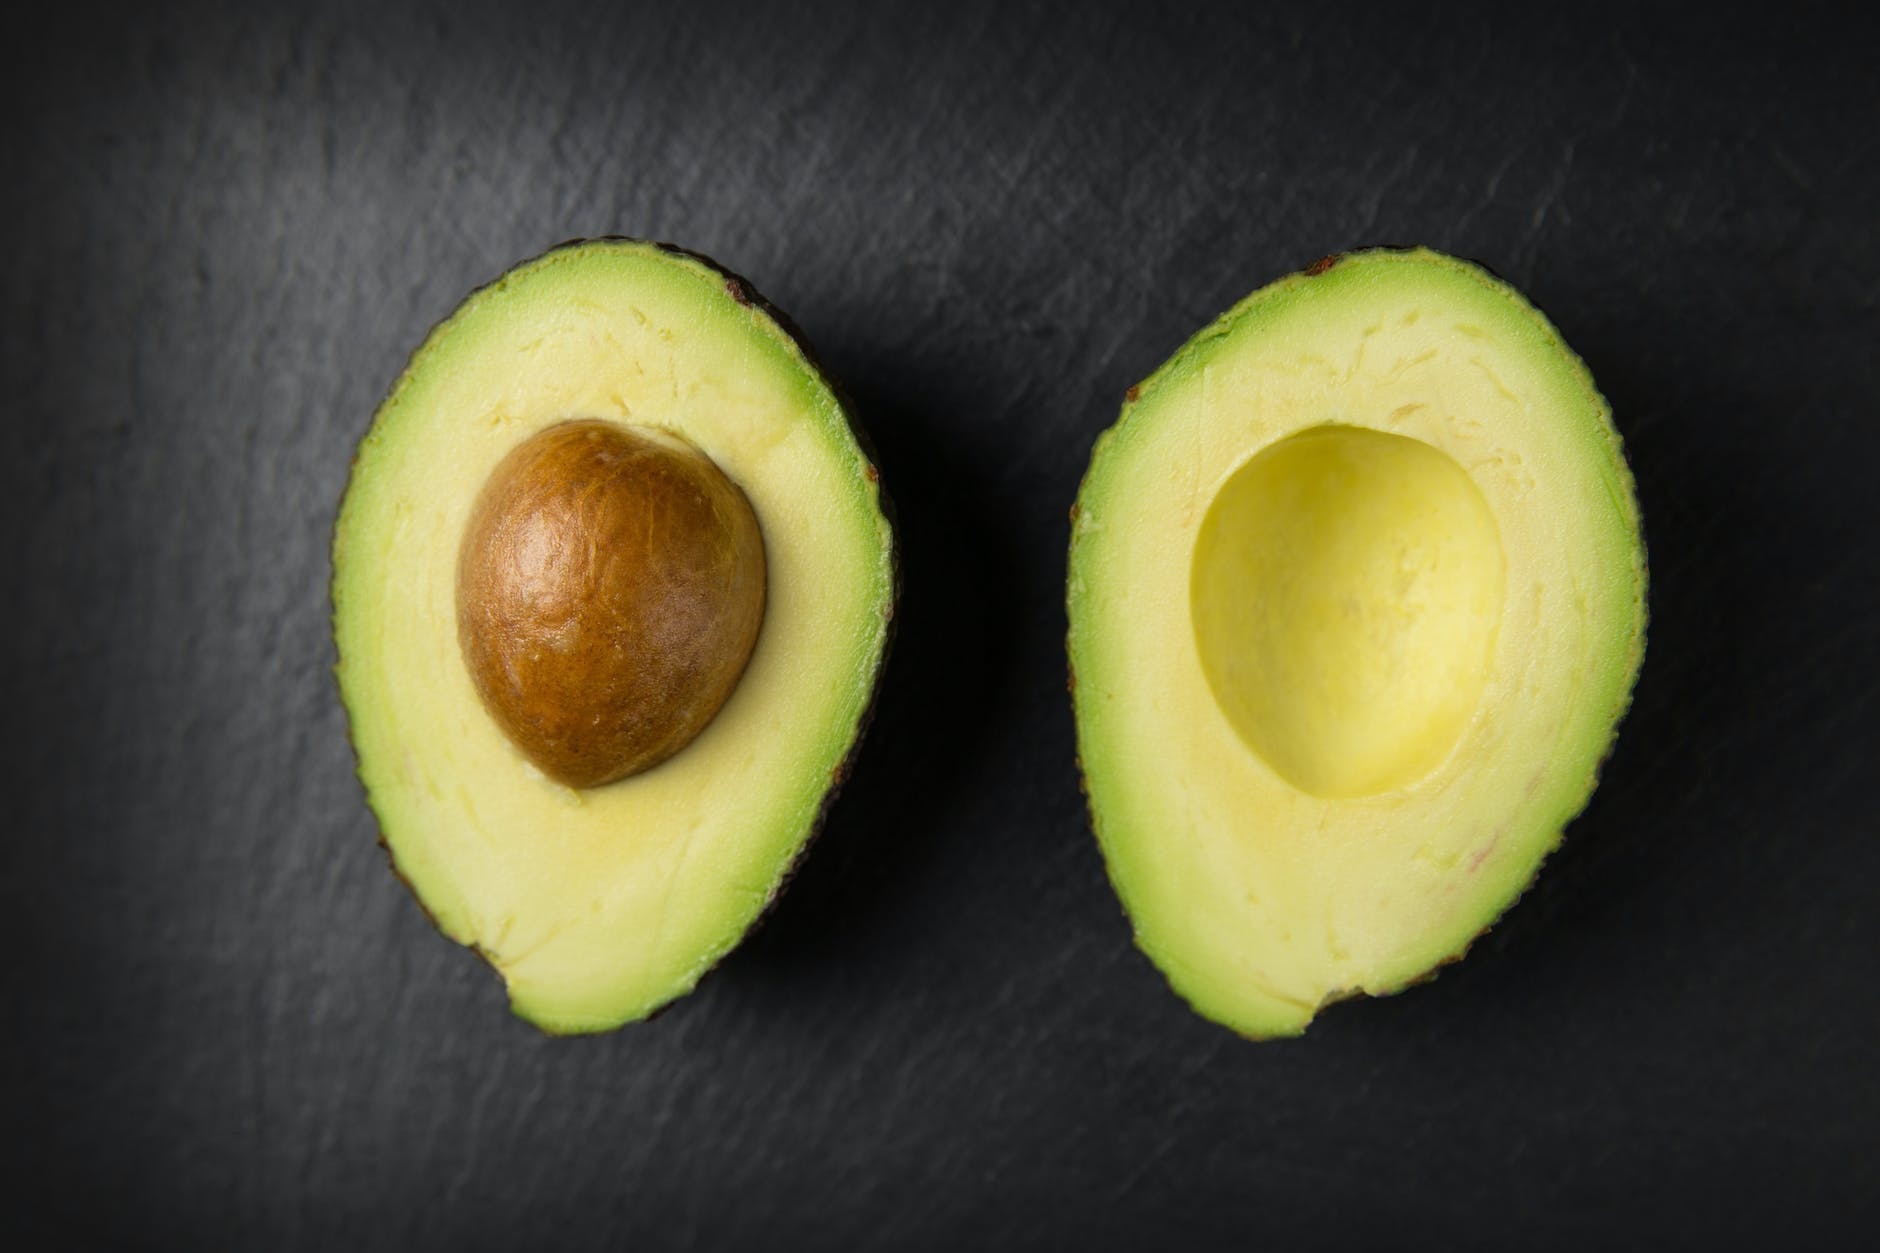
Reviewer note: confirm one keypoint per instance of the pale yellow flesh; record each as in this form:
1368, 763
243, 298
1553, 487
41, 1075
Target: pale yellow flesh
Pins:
1333, 715
599, 905
1347, 584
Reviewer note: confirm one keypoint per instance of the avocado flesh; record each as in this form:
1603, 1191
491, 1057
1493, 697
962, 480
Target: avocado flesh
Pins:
600, 905
1356, 602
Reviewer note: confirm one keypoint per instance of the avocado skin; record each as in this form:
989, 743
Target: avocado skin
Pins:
1320, 266
744, 292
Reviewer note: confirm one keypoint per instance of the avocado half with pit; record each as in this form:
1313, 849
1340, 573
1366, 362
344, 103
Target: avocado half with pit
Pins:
1356, 598
612, 585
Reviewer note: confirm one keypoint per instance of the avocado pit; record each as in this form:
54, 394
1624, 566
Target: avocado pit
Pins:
610, 590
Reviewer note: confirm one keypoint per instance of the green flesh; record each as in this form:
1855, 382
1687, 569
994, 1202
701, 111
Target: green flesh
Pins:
599, 906
1336, 704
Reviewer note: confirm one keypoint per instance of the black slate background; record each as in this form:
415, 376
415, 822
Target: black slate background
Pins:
226, 1026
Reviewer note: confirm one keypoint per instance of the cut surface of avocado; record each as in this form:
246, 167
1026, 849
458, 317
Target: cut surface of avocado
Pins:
1356, 599
600, 904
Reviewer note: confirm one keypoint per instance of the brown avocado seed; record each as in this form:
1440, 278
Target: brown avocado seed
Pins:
610, 588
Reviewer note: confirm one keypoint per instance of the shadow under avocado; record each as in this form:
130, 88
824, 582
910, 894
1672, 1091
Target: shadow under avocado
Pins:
948, 657
1724, 589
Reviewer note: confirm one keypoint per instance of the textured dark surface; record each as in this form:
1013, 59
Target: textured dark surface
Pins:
227, 1026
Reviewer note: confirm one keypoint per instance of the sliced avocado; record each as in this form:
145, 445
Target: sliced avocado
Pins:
1356, 598
611, 588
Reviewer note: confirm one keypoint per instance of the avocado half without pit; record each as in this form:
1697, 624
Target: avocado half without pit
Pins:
612, 586
1356, 599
